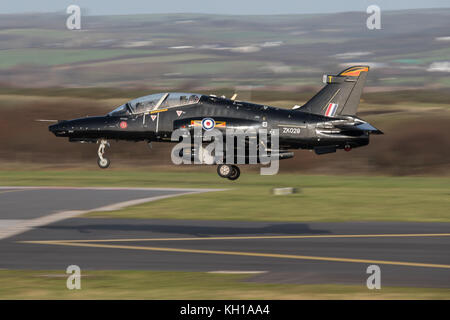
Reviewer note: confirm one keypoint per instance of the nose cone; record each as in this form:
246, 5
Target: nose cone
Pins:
58, 129
89, 127
53, 128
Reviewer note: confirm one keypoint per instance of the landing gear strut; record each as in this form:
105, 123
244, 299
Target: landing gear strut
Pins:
231, 172
103, 162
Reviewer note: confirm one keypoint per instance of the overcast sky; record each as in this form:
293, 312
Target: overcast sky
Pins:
104, 7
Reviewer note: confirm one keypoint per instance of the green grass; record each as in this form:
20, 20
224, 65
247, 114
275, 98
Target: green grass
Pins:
50, 57
427, 56
22, 284
217, 67
49, 34
163, 58
321, 198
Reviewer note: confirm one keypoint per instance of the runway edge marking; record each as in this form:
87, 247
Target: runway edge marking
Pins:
29, 224
330, 236
252, 254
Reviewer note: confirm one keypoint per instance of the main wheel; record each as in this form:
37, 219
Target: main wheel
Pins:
224, 170
103, 163
235, 173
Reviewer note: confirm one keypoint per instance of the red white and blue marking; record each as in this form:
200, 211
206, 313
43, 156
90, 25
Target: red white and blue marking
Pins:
331, 109
208, 124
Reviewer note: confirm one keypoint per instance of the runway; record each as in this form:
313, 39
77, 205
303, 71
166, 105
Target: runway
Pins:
409, 254
23, 208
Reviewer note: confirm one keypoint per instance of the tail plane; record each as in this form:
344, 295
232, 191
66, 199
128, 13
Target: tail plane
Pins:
341, 94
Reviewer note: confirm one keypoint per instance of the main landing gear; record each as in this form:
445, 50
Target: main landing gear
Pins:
103, 162
228, 171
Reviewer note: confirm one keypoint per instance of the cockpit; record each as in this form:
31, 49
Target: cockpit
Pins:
155, 102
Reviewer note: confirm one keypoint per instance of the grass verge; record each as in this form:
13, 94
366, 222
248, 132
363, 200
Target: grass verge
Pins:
25, 284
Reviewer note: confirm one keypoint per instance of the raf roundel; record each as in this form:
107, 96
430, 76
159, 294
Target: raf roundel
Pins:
208, 124
123, 124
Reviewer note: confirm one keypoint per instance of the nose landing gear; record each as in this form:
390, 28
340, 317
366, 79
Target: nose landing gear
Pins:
103, 162
231, 172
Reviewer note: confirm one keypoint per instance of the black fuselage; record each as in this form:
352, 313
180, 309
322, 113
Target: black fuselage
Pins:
297, 129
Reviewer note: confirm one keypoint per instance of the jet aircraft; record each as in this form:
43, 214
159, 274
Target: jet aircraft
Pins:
326, 123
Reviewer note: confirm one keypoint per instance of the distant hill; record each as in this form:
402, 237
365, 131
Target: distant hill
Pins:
196, 51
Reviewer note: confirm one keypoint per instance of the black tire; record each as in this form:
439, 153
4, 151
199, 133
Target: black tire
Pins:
224, 170
235, 173
103, 164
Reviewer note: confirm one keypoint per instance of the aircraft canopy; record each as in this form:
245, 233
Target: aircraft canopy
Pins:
157, 101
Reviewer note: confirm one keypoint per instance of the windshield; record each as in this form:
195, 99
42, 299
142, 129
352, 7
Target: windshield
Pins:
119, 111
147, 103
162, 101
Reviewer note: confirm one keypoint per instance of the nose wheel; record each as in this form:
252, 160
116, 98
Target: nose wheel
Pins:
102, 161
231, 172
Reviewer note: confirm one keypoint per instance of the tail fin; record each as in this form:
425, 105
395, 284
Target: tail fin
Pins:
341, 94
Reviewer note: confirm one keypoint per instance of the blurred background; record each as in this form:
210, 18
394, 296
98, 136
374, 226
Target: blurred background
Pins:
273, 53
50, 72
